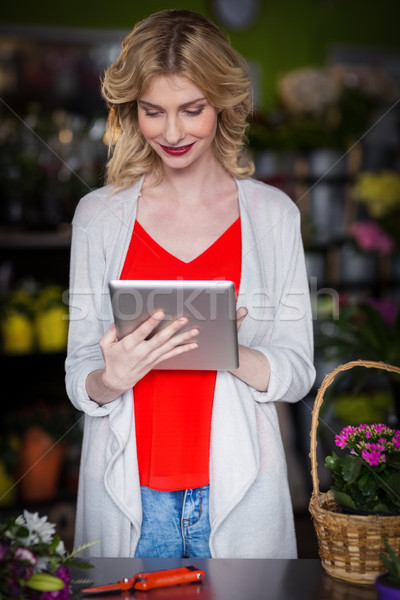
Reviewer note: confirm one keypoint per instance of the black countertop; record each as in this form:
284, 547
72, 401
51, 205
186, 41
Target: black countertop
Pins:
231, 579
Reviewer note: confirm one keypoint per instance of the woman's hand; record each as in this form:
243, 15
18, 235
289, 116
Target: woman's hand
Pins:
131, 358
253, 367
241, 314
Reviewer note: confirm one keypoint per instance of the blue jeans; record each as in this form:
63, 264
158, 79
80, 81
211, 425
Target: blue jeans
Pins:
175, 524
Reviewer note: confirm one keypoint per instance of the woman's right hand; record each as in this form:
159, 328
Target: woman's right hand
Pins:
131, 358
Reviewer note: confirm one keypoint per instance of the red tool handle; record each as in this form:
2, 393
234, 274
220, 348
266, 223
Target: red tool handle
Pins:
149, 581
156, 579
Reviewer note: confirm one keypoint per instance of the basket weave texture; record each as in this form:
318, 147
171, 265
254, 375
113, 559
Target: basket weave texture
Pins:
348, 545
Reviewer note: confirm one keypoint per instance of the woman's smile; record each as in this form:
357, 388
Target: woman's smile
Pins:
177, 151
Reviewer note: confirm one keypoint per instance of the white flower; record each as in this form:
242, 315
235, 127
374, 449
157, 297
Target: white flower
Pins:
43, 565
39, 529
60, 549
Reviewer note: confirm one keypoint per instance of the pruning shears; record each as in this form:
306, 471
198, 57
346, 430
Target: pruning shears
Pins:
149, 581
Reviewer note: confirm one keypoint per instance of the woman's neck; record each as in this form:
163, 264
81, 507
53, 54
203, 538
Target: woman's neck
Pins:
191, 186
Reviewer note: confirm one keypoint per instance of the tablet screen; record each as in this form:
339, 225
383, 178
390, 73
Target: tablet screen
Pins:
209, 305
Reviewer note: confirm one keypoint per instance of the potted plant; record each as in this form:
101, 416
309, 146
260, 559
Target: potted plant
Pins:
367, 473
388, 584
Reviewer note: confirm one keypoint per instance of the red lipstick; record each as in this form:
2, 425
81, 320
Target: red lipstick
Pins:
178, 151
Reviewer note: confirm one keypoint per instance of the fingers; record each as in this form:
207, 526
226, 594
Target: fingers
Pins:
177, 350
241, 314
168, 335
109, 337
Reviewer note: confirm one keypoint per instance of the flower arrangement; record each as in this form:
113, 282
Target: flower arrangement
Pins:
380, 193
34, 563
315, 108
320, 109
367, 476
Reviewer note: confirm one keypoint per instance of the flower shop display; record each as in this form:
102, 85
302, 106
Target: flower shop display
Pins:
379, 193
39, 451
34, 318
349, 544
40, 459
34, 564
388, 584
367, 474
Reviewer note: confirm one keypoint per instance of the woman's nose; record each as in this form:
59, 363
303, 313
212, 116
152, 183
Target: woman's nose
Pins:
173, 132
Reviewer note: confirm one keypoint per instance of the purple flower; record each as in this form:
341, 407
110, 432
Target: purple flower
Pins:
13, 588
17, 572
63, 573
386, 308
4, 547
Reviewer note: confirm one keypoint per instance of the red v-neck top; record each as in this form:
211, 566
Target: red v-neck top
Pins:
173, 408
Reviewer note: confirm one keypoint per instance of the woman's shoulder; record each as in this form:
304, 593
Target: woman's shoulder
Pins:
266, 196
103, 203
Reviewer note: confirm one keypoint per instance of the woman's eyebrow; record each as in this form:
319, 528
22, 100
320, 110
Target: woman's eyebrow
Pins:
185, 105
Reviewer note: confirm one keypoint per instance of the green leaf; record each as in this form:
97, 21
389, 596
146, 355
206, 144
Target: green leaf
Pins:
351, 466
81, 548
331, 462
77, 563
391, 486
54, 543
364, 483
344, 499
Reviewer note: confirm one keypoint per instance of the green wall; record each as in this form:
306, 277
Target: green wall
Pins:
287, 34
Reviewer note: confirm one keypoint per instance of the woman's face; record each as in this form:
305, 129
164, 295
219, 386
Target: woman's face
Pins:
177, 121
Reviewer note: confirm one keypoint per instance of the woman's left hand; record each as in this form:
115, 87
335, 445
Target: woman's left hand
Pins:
253, 365
241, 314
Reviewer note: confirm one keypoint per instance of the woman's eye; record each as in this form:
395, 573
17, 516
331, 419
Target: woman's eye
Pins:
151, 113
195, 113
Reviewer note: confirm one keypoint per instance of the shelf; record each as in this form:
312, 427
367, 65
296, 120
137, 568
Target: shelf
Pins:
35, 240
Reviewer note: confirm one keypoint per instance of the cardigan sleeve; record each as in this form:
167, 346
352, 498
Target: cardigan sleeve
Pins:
87, 323
288, 345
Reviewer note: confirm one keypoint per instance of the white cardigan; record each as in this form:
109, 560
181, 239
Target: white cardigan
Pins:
250, 507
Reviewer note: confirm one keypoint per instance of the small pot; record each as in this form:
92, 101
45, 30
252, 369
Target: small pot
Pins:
386, 590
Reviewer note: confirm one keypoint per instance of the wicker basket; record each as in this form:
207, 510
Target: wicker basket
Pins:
348, 545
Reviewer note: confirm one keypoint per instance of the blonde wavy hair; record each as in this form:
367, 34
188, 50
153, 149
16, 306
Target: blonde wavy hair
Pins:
175, 42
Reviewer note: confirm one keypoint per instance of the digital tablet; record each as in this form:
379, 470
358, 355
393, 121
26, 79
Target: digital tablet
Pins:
209, 305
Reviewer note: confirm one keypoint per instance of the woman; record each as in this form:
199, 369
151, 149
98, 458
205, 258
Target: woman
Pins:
181, 463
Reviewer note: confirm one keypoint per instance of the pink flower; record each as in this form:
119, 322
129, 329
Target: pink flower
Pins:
370, 236
25, 554
379, 427
372, 458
